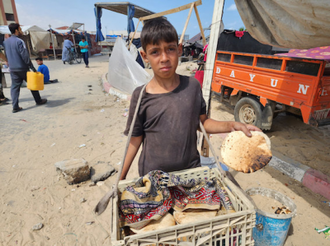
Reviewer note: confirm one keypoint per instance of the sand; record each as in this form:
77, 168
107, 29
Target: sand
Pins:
33, 140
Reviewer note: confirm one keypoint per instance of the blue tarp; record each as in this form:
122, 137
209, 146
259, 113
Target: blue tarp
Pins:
98, 14
130, 22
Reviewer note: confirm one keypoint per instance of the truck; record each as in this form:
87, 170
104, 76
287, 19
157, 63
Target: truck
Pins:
262, 86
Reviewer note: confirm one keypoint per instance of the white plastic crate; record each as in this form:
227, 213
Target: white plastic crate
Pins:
225, 230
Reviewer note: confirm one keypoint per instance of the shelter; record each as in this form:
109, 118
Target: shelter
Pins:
35, 37
298, 24
75, 36
126, 8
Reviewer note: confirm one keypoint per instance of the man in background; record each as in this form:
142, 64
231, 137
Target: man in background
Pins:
3, 99
19, 64
67, 44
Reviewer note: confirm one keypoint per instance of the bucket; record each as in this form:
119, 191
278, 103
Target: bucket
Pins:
35, 81
271, 229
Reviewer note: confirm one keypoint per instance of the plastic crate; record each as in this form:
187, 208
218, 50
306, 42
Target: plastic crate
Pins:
225, 230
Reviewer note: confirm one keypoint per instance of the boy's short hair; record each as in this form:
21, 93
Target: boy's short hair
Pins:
83, 37
13, 27
156, 30
39, 59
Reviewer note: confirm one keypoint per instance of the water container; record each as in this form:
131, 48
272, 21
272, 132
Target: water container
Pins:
271, 229
35, 81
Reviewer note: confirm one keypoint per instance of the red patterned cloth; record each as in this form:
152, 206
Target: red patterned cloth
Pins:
319, 53
153, 195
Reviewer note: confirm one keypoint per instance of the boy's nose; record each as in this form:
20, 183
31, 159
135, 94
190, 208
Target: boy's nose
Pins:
164, 56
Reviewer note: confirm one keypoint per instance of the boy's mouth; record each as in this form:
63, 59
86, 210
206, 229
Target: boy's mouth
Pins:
165, 68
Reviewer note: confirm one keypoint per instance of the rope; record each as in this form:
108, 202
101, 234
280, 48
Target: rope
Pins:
103, 203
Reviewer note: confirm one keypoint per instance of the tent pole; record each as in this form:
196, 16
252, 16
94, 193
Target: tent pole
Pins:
187, 21
133, 35
51, 34
212, 49
200, 25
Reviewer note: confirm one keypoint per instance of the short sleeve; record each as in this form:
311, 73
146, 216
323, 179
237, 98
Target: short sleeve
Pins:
138, 126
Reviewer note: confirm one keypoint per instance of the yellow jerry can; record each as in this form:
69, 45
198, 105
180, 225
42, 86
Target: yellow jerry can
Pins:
35, 81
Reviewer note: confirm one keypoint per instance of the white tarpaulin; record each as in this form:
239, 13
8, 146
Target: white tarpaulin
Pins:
298, 24
124, 73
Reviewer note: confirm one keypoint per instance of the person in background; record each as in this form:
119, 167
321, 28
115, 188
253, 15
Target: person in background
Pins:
3, 99
83, 44
67, 44
44, 70
19, 64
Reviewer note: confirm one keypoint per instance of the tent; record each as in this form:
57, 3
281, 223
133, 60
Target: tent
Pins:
35, 37
298, 24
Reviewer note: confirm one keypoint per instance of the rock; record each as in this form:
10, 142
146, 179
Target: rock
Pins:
82, 200
101, 171
37, 227
74, 170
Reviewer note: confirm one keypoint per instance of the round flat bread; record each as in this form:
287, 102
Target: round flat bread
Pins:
246, 154
166, 221
193, 215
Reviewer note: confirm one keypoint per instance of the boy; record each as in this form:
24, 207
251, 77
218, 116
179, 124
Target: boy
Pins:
44, 70
171, 108
83, 44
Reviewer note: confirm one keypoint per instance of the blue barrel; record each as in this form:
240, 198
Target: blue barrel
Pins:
272, 229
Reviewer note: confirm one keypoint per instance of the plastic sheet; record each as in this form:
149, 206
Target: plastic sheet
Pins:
124, 73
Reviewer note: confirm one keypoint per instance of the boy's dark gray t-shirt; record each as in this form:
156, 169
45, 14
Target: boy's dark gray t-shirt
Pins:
168, 123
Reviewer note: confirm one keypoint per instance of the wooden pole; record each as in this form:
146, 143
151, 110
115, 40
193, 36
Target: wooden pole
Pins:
208, 68
171, 11
200, 25
187, 21
133, 34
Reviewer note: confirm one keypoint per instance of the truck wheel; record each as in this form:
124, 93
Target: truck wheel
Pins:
248, 111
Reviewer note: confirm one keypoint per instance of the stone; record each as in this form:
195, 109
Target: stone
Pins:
101, 171
74, 170
37, 227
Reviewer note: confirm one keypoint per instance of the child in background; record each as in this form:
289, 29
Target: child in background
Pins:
171, 108
44, 70
83, 44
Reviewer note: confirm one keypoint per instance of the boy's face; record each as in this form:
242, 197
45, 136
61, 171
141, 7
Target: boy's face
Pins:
39, 62
163, 58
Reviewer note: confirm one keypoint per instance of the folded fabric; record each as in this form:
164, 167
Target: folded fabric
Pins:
153, 195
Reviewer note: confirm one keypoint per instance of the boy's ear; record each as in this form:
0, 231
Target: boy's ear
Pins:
144, 56
180, 49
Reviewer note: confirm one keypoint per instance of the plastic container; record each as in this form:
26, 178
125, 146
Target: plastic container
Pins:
272, 229
231, 229
35, 81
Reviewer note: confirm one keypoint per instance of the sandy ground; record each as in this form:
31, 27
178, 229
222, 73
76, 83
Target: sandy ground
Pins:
33, 140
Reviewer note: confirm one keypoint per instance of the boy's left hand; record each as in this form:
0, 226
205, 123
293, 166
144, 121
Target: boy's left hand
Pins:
238, 126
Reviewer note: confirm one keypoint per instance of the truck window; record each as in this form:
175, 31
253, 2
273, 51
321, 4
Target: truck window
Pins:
224, 57
302, 67
275, 64
245, 60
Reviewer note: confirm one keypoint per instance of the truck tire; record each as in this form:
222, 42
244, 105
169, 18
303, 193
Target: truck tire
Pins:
248, 111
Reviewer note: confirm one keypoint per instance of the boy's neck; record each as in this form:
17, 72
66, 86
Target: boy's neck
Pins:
161, 85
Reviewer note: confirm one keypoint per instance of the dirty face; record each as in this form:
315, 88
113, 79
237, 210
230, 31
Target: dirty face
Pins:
163, 58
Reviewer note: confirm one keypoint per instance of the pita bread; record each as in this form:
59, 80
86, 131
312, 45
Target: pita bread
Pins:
246, 154
166, 221
193, 215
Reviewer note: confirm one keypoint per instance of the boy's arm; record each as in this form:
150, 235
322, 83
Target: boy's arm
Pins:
213, 126
133, 148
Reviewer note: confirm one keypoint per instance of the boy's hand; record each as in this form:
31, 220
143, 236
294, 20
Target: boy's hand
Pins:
238, 126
